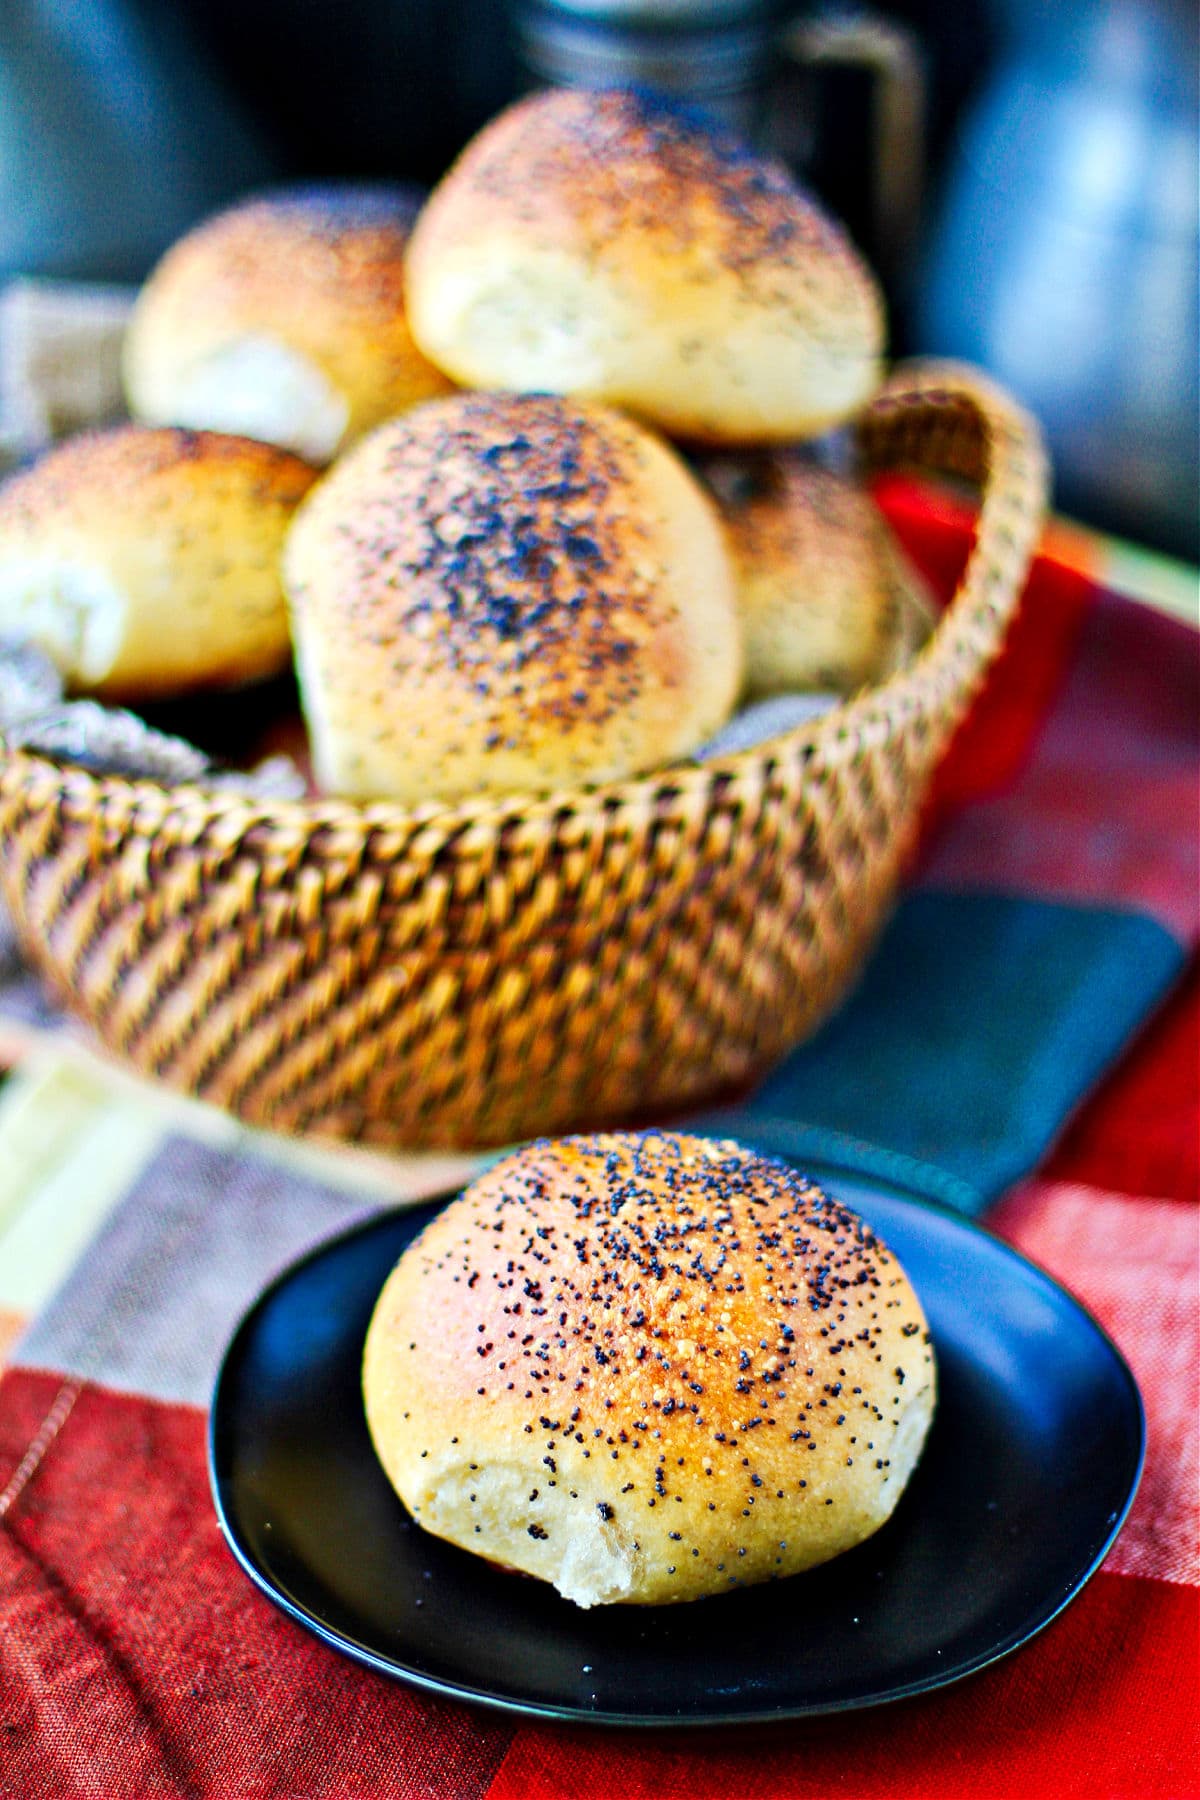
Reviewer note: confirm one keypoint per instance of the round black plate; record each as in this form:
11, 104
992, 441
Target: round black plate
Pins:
1030, 1468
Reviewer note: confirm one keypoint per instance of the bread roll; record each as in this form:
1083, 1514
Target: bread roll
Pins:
146, 563
648, 1367
283, 319
827, 600
616, 248
505, 594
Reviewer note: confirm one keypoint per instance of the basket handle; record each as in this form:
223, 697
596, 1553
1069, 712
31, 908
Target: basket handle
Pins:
945, 418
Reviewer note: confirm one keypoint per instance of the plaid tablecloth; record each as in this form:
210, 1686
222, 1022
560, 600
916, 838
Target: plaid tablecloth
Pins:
1025, 1040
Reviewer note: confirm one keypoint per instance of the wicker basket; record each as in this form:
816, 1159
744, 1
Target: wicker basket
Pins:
474, 976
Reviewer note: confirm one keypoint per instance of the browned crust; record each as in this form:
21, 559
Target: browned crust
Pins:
131, 470
688, 1329
620, 178
815, 582
321, 270
183, 530
296, 252
513, 590
498, 546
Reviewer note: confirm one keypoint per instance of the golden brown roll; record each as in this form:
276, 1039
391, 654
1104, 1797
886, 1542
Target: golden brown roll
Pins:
827, 600
612, 247
648, 1367
501, 594
146, 562
283, 319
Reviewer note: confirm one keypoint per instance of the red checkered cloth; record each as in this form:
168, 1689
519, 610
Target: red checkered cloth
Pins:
136, 1659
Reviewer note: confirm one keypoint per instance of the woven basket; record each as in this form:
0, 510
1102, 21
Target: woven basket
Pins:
511, 967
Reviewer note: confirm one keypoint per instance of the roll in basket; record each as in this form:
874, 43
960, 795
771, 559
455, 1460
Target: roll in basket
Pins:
482, 974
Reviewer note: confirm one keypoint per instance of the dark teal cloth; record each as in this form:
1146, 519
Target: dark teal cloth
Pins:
978, 1026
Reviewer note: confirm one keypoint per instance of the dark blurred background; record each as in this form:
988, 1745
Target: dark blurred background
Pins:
1022, 173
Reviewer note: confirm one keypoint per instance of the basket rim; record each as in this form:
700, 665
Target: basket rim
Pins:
1012, 504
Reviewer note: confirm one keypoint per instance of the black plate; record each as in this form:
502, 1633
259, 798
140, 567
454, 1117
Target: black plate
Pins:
1030, 1469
